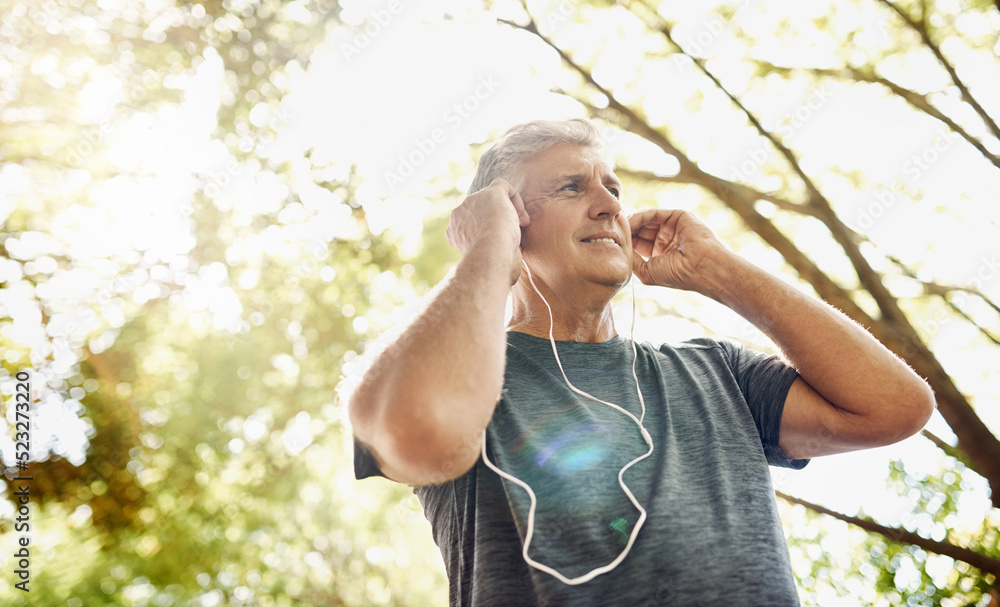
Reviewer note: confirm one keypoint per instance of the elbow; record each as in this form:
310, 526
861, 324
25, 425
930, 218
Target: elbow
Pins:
361, 415
411, 445
923, 403
911, 410
430, 454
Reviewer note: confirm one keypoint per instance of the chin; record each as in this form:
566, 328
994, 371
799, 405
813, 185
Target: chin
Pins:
613, 278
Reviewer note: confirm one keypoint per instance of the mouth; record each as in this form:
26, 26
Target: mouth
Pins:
603, 238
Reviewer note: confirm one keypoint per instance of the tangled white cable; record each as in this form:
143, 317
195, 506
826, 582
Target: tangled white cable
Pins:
531, 494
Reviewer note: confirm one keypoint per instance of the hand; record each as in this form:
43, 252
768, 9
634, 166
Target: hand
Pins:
492, 217
677, 248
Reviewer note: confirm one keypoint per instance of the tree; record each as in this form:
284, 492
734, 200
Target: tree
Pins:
189, 351
189, 277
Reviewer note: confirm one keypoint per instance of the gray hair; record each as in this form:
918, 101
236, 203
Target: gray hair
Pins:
507, 155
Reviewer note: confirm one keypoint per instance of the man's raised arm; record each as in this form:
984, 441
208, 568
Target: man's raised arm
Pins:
422, 405
852, 393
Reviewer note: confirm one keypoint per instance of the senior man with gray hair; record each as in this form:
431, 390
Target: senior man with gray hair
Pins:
560, 463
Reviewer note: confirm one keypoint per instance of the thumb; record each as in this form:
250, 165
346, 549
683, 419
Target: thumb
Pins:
639, 268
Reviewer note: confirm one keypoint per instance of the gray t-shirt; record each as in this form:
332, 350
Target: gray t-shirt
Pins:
712, 536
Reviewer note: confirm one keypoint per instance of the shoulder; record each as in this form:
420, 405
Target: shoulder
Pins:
710, 357
698, 348
730, 352
696, 343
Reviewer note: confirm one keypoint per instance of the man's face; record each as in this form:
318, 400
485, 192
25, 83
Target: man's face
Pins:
572, 197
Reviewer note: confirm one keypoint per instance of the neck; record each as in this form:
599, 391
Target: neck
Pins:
576, 318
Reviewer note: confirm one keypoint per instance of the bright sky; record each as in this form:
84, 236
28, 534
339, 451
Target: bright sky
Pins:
408, 98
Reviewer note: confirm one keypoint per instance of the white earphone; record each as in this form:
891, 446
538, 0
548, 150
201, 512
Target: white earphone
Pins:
531, 494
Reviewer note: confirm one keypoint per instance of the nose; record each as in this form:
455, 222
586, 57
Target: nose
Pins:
605, 204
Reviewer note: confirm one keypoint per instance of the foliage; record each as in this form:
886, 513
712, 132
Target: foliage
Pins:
190, 281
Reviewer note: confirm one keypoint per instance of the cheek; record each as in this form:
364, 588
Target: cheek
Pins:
627, 232
537, 235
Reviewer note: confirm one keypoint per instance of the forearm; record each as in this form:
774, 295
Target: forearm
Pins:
425, 400
852, 393
833, 354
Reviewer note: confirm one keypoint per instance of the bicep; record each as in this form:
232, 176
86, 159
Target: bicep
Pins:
812, 426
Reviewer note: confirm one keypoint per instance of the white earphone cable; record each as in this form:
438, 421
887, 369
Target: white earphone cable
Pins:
531, 494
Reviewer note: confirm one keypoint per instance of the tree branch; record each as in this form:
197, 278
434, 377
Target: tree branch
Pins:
948, 449
664, 28
975, 438
636, 124
980, 561
944, 292
983, 330
921, 28
781, 203
888, 305
735, 197
938, 288
918, 101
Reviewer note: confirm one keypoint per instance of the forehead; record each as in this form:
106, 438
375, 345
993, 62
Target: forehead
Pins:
562, 161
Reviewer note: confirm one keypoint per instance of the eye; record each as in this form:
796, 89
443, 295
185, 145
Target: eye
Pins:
575, 187
614, 192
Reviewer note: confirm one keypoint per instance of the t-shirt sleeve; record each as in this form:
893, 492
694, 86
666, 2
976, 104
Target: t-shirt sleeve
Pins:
365, 464
765, 380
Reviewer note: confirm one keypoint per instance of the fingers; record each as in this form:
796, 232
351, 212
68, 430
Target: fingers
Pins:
652, 218
654, 230
637, 266
522, 214
496, 211
642, 246
515, 198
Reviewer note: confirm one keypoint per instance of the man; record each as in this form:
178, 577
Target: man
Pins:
682, 461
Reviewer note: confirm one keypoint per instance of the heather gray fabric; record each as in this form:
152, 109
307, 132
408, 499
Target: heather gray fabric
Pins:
712, 536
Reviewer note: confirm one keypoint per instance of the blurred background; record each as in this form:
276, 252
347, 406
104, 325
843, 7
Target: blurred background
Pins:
210, 212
